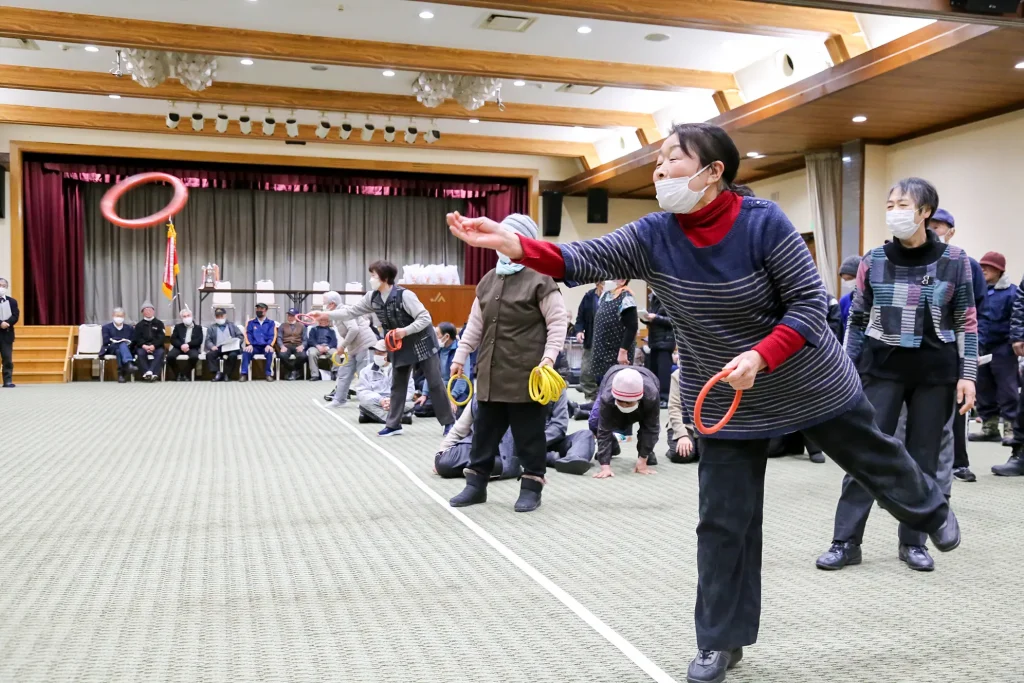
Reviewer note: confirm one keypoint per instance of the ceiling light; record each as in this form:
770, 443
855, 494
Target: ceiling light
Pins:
859, 119
324, 128
656, 37
367, 133
474, 120
519, 84
847, 160
173, 119
577, 127
388, 73
345, 130
247, 62
198, 121
114, 97
1019, 65
291, 126
584, 30
432, 135
389, 132
318, 67
426, 14
269, 124
410, 134
753, 155
91, 48
245, 124
222, 122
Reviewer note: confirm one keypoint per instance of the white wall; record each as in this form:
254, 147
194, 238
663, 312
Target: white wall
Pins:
876, 190
792, 199
5, 228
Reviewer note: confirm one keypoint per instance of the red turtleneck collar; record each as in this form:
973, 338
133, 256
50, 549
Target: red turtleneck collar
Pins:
707, 226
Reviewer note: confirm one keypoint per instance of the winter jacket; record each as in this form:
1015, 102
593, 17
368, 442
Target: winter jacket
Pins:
996, 311
585, 318
375, 384
659, 336
356, 335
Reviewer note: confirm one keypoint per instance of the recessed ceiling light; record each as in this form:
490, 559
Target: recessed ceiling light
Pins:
114, 97
91, 48
474, 120
577, 127
426, 14
656, 37
847, 159
859, 119
388, 73
247, 62
318, 67
1020, 65
753, 155
519, 84
584, 30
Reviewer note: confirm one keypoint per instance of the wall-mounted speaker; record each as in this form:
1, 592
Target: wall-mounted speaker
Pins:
986, 6
597, 205
552, 209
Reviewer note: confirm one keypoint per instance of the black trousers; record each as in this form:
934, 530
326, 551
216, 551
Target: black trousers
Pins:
660, 363
928, 409
960, 458
998, 383
230, 361
431, 369
145, 364
289, 364
7, 357
731, 477
191, 360
526, 420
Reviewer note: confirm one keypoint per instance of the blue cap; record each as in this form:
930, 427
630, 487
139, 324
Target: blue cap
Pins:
293, 311
945, 217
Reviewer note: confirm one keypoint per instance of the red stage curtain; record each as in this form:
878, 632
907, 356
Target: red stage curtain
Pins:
496, 206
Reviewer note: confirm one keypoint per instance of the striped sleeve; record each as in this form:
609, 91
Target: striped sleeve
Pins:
790, 266
965, 320
619, 255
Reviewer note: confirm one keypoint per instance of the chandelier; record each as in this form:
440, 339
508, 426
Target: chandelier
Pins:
472, 92
196, 72
150, 68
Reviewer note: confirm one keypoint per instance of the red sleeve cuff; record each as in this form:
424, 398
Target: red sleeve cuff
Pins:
543, 257
779, 346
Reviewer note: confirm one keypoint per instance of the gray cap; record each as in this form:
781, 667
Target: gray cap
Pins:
147, 304
521, 224
850, 266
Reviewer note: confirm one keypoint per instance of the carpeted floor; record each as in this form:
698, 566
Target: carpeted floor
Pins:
202, 532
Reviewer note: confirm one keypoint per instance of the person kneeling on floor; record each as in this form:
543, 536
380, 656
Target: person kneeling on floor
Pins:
374, 391
682, 443
628, 395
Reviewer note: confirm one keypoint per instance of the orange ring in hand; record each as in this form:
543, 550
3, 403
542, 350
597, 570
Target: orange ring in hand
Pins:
700, 402
392, 342
109, 201
306, 319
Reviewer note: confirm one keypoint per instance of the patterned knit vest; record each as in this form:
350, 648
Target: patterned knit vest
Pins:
392, 315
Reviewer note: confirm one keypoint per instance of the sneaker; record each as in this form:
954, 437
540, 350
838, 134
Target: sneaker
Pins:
839, 555
917, 558
388, 431
121, 379
1014, 467
243, 378
219, 377
710, 666
148, 376
818, 458
270, 378
407, 419
964, 474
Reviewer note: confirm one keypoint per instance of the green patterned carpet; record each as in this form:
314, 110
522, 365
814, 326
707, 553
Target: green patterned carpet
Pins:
206, 532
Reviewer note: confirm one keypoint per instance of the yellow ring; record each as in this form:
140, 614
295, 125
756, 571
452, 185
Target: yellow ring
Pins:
334, 359
546, 385
455, 378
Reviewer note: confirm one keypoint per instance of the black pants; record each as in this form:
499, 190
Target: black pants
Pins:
191, 360
928, 409
145, 364
998, 383
526, 420
230, 361
7, 357
731, 476
431, 368
289, 364
960, 458
660, 363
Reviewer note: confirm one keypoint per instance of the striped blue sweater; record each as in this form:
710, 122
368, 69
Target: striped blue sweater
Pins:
723, 300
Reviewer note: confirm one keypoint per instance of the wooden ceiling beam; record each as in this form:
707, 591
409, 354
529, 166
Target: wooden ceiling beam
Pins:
134, 33
734, 16
149, 123
244, 94
940, 10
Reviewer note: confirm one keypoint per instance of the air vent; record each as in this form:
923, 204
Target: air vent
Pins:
573, 89
506, 22
19, 44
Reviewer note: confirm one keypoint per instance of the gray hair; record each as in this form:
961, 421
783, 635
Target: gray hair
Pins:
921, 191
332, 298
4, 280
184, 311
119, 310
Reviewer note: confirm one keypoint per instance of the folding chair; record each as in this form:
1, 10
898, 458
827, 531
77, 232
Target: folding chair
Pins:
223, 299
318, 299
90, 341
267, 297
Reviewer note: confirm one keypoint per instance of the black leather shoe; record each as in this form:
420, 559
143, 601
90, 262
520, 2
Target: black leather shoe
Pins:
407, 419
219, 377
964, 474
121, 379
181, 378
709, 666
243, 378
1014, 467
840, 555
818, 458
364, 419
529, 495
571, 466
917, 558
948, 537
474, 493
652, 460
270, 378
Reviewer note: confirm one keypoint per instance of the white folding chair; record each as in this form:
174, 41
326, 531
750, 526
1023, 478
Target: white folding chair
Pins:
223, 299
318, 299
90, 341
353, 298
265, 296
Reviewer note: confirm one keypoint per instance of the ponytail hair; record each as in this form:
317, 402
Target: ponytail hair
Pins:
709, 143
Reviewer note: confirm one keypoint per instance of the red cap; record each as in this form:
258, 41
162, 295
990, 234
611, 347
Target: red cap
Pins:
995, 260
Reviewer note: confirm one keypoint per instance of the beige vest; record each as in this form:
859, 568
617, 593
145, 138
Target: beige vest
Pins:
514, 333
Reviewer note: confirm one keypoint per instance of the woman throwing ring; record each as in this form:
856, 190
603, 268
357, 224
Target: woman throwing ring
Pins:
743, 294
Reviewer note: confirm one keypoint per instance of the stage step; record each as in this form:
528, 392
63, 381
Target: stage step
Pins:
38, 377
41, 353
24, 353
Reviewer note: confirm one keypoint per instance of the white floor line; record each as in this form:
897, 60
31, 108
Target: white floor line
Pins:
624, 646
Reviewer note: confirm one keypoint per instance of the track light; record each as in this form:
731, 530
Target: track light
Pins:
432, 136
173, 119
245, 124
368, 129
269, 124
198, 121
291, 126
410, 134
324, 129
389, 132
222, 122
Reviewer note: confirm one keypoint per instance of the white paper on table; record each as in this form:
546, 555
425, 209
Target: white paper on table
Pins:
234, 345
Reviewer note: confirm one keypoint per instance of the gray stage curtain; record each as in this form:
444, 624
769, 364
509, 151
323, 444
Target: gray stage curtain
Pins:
294, 239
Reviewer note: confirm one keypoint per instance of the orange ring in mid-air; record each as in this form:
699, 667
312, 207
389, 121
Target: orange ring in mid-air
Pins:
109, 202
392, 342
700, 402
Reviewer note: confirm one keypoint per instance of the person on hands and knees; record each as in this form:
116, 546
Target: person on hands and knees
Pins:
223, 343
291, 339
628, 396
713, 245
682, 443
615, 328
148, 339
117, 342
260, 340
322, 340
186, 343
1014, 467
357, 340
375, 389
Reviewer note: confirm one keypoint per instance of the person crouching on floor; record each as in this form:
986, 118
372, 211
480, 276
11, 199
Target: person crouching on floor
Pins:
374, 390
628, 395
682, 442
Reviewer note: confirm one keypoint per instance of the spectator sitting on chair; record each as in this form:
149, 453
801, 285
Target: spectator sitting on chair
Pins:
682, 442
222, 333
447, 339
186, 342
8, 319
117, 342
148, 340
291, 337
374, 390
628, 395
260, 338
321, 342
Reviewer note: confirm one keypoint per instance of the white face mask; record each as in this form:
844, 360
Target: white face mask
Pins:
221, 321
675, 195
381, 361
848, 286
901, 223
374, 283
187, 321
3, 291
118, 320
147, 318
610, 286
630, 409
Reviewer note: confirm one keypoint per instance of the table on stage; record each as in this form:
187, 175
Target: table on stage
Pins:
298, 296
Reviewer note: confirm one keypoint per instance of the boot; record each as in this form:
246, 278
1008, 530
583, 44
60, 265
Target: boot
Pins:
989, 431
1014, 467
475, 491
529, 495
